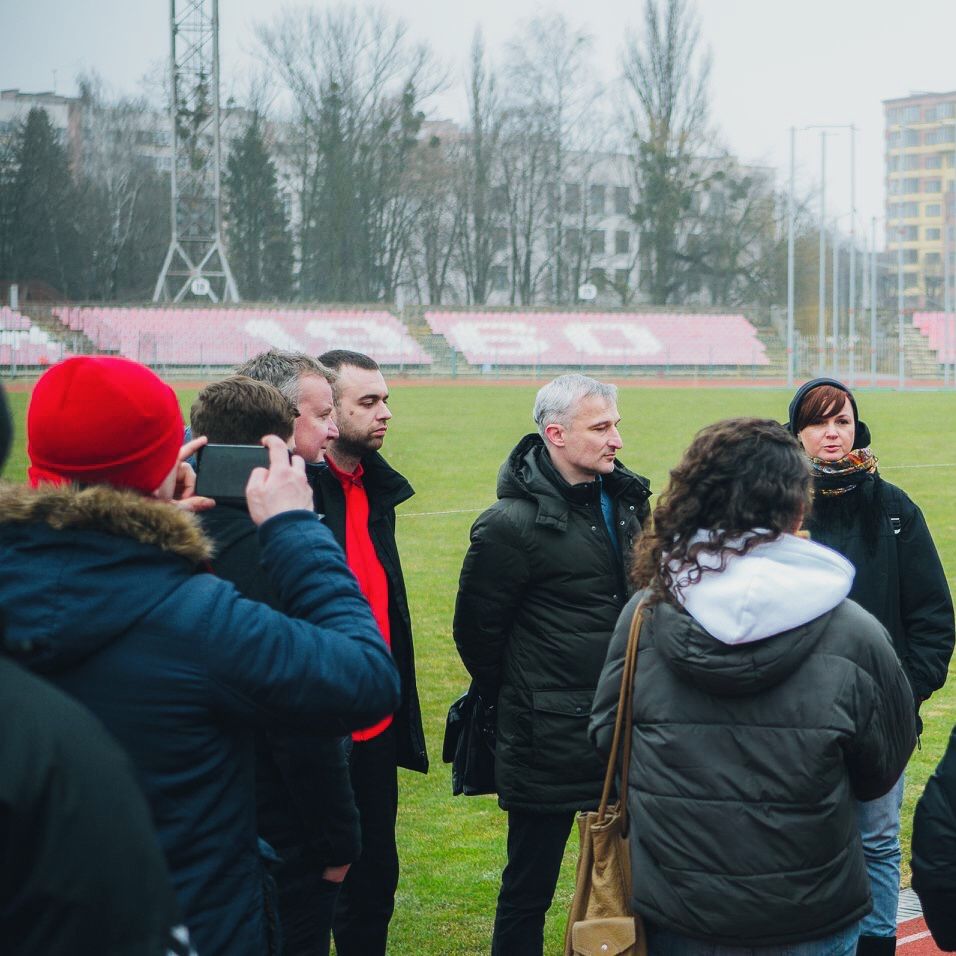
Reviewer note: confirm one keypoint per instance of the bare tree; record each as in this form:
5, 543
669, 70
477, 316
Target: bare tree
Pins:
124, 195
552, 98
479, 164
666, 76
438, 217
527, 177
357, 81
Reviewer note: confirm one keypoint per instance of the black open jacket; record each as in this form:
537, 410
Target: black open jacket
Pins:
386, 489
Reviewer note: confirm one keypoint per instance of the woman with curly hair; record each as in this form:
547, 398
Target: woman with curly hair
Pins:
899, 580
765, 704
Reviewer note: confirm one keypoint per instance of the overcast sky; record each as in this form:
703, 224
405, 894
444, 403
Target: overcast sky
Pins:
775, 64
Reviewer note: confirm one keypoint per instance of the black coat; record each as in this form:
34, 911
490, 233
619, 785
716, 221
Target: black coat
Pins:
81, 869
386, 489
899, 577
540, 590
304, 801
934, 850
746, 761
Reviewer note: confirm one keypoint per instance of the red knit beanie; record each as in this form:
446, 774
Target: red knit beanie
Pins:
103, 420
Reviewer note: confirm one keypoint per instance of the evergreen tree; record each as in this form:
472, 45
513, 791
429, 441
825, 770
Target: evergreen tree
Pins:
257, 228
45, 238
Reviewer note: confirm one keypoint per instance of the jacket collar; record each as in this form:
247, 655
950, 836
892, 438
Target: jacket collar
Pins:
386, 488
530, 473
109, 510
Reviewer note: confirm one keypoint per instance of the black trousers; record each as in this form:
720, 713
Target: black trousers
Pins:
306, 906
536, 843
367, 899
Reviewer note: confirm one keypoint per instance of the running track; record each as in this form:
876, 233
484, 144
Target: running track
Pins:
912, 936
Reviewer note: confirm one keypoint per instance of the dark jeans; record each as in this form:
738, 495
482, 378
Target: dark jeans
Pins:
306, 908
536, 843
368, 894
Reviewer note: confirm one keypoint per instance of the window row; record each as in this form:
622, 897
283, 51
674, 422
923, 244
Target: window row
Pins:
598, 197
601, 279
915, 137
598, 240
916, 114
911, 210
913, 185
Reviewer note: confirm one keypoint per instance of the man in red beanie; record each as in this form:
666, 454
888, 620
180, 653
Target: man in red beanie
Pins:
104, 592
77, 839
103, 420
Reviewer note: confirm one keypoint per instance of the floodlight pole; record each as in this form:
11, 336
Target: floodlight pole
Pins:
790, 257
196, 263
836, 302
851, 305
822, 279
946, 302
873, 301
899, 306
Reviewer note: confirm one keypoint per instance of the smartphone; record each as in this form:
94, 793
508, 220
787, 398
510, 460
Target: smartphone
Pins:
222, 471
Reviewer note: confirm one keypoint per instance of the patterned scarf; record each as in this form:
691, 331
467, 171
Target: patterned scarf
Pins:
832, 478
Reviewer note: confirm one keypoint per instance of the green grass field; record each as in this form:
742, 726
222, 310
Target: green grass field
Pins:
450, 441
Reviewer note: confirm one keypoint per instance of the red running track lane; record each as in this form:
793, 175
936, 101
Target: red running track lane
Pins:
913, 938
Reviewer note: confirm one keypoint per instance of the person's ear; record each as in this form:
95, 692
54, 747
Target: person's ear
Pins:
555, 434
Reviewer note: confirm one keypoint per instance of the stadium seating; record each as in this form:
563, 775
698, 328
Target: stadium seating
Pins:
24, 344
939, 328
595, 338
228, 336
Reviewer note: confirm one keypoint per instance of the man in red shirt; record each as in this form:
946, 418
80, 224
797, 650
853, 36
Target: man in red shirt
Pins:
357, 494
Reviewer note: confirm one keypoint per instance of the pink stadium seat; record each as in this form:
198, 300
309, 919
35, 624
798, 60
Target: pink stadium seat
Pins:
228, 336
939, 328
594, 338
24, 344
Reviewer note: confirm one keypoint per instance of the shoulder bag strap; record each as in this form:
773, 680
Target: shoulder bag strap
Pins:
623, 722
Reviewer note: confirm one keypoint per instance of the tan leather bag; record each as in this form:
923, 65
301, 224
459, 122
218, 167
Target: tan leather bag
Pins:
601, 922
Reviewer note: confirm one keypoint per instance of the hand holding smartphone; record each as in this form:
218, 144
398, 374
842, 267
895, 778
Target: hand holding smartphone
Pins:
222, 471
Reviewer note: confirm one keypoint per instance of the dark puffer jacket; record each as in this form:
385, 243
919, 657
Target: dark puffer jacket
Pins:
540, 590
934, 850
101, 594
899, 578
81, 870
745, 762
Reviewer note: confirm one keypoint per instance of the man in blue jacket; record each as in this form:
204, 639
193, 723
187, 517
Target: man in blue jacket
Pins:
103, 582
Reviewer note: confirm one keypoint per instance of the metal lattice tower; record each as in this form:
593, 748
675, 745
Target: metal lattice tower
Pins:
196, 264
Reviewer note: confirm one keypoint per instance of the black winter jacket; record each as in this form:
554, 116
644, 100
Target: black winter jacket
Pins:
540, 590
745, 762
902, 582
386, 489
934, 850
304, 801
81, 870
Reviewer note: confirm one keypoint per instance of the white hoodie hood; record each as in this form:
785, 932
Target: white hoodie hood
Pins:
773, 588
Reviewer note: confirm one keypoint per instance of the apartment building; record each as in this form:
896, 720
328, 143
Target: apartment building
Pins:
920, 176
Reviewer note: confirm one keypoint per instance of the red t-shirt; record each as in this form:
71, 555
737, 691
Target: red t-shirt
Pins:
362, 559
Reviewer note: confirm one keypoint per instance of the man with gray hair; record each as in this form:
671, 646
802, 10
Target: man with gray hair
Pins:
307, 384
541, 588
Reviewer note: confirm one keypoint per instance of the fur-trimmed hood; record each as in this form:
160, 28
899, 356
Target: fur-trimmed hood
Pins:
78, 566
